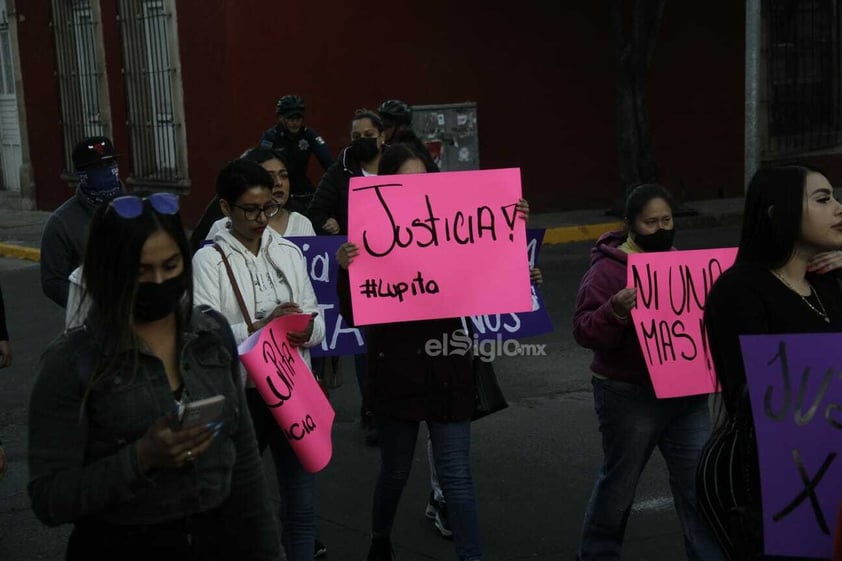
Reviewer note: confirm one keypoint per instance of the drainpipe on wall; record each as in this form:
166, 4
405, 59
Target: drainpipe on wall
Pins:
751, 159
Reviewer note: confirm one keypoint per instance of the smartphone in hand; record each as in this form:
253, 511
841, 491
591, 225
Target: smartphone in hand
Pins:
201, 412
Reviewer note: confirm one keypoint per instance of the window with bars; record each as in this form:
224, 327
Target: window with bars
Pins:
7, 77
85, 111
803, 93
154, 92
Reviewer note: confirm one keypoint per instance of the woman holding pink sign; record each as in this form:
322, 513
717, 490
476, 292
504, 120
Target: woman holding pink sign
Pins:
632, 420
406, 386
252, 275
791, 220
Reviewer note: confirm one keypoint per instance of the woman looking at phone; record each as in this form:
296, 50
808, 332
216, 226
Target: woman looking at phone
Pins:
106, 451
252, 275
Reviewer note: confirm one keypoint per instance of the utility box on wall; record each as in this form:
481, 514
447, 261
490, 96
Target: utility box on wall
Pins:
450, 133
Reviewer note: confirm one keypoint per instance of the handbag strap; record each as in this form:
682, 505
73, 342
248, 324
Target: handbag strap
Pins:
236, 288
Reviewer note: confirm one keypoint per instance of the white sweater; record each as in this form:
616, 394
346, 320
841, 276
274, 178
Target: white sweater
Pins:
211, 285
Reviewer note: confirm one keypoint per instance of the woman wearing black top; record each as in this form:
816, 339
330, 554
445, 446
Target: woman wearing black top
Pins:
790, 218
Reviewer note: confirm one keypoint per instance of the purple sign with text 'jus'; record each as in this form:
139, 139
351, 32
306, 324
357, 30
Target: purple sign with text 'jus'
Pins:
795, 384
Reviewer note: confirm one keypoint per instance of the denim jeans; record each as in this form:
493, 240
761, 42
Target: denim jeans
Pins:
451, 448
632, 422
296, 485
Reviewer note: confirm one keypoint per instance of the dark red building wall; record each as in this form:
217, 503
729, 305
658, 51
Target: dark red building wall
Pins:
209, 75
697, 98
43, 108
542, 76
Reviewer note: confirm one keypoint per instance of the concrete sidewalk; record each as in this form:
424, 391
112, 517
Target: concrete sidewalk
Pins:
20, 231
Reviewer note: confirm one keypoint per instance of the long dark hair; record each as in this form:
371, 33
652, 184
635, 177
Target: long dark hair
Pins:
110, 272
772, 215
396, 155
259, 155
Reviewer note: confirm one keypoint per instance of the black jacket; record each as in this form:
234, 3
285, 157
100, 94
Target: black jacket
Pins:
297, 149
404, 381
331, 197
62, 246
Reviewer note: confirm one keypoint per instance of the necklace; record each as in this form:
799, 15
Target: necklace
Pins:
821, 312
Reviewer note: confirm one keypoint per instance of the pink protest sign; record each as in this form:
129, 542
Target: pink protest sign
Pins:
672, 287
290, 390
436, 245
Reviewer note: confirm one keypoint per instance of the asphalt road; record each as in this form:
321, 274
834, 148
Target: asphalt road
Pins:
534, 463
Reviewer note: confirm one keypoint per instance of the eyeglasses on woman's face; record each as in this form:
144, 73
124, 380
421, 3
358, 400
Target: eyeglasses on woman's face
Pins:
251, 212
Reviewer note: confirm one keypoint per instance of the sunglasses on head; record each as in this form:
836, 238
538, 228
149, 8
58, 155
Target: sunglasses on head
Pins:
131, 206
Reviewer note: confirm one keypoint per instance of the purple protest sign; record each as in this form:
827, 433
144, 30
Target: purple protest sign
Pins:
521, 324
340, 339
320, 256
795, 384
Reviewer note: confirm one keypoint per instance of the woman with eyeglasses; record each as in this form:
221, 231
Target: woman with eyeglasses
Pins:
285, 222
107, 449
252, 275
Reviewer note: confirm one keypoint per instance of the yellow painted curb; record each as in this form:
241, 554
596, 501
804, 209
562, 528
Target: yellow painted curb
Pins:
587, 232
20, 252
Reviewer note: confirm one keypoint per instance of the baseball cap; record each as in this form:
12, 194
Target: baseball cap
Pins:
92, 150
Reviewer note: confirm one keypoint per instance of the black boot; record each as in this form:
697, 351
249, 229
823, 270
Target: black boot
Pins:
380, 550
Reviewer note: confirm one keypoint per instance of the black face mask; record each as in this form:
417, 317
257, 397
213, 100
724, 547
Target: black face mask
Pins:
364, 149
657, 241
156, 301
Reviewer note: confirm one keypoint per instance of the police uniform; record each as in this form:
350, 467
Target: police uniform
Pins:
297, 149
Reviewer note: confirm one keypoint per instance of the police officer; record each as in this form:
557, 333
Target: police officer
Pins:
397, 123
296, 142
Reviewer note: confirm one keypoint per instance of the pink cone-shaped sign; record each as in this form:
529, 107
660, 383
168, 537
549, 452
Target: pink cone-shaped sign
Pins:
290, 390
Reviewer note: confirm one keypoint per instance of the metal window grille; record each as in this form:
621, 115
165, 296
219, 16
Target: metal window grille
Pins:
7, 84
85, 111
804, 97
152, 81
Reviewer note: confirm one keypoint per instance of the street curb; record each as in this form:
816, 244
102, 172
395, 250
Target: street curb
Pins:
583, 233
552, 236
20, 252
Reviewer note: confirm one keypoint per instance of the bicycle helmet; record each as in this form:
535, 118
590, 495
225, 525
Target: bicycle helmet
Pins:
396, 111
290, 105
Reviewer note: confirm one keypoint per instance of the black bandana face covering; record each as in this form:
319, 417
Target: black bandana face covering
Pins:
100, 184
156, 301
657, 241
